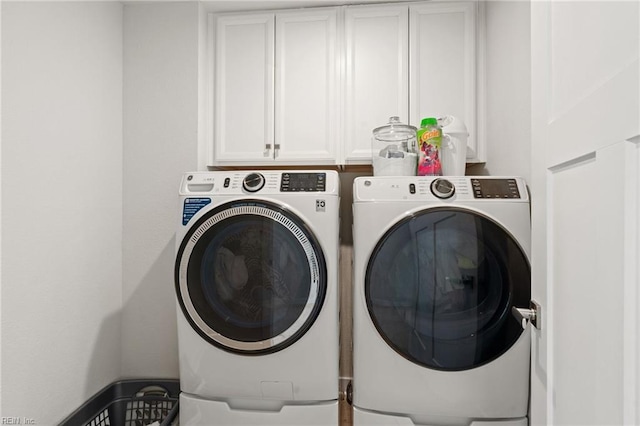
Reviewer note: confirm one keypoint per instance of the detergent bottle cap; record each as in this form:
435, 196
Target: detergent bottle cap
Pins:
430, 121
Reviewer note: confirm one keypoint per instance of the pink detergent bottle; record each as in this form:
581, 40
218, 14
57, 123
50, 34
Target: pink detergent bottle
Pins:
429, 144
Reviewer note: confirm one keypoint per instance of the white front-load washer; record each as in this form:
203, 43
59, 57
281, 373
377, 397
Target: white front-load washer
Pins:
438, 265
256, 278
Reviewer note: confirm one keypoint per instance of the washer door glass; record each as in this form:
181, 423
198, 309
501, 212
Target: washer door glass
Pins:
250, 277
440, 285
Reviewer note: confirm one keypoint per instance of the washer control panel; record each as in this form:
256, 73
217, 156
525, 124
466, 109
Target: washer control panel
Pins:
303, 182
261, 183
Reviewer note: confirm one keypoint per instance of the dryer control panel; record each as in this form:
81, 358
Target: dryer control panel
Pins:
442, 189
495, 188
303, 182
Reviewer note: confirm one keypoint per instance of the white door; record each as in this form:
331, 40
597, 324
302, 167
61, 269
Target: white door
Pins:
585, 212
376, 73
306, 112
243, 94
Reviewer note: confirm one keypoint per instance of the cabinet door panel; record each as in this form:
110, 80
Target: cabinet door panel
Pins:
243, 124
306, 69
377, 74
443, 64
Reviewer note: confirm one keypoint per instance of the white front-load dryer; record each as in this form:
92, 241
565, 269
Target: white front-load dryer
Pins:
256, 278
438, 265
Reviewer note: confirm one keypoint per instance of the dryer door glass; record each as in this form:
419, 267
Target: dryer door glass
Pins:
440, 285
250, 277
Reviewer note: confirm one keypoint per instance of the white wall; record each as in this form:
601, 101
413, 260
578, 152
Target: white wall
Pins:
508, 89
0, 210
160, 143
61, 205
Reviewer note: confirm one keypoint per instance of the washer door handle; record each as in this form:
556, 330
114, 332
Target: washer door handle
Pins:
531, 315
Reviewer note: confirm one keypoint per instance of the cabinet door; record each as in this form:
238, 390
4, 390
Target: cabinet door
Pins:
243, 123
306, 88
443, 64
377, 74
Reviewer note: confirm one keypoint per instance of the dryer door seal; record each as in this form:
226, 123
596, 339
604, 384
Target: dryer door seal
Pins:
440, 285
250, 277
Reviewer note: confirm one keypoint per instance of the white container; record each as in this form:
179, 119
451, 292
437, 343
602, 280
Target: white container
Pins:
454, 146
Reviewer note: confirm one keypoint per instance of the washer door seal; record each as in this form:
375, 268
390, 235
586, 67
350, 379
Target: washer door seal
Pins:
250, 277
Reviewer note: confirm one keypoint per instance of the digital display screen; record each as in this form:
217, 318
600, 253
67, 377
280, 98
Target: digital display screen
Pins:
303, 182
495, 188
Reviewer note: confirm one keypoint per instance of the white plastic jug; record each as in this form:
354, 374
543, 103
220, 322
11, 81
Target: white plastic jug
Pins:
454, 145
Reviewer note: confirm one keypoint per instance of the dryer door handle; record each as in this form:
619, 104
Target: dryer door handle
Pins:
531, 315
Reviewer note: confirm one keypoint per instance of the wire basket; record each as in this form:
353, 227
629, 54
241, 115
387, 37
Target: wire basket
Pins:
130, 403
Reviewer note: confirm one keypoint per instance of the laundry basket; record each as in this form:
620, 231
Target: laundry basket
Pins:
130, 403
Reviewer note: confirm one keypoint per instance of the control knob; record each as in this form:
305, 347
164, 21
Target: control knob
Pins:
253, 182
442, 188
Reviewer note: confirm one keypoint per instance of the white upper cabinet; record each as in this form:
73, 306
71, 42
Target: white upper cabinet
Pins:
376, 74
306, 113
443, 65
243, 89
308, 86
275, 96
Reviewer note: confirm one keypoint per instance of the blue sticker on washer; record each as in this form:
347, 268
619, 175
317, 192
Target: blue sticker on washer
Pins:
193, 206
